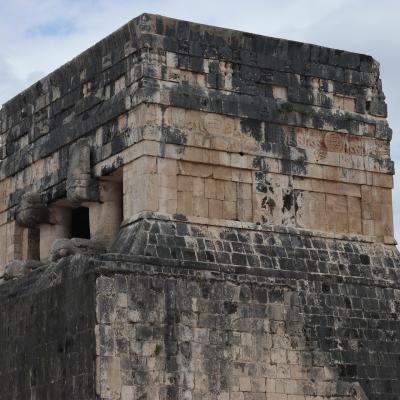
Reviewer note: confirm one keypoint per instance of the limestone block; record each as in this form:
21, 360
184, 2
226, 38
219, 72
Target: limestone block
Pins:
140, 188
192, 169
215, 208
382, 180
14, 241
58, 228
349, 104
171, 59
122, 122
270, 386
221, 158
357, 177
338, 102
298, 372
376, 211
245, 209
4, 192
185, 183
223, 173
337, 213
354, 215
119, 84
198, 187
3, 247
169, 206
230, 191
109, 383
242, 176
315, 171
223, 396
244, 191
301, 183
31, 243
311, 210
219, 185
105, 217
170, 184
280, 92
367, 130
332, 173
185, 203
368, 227
210, 188
127, 393
201, 206
258, 385
166, 166
80, 185
277, 396
238, 161
229, 210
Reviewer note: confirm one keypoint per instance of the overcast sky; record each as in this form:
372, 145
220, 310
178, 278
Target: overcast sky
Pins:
37, 36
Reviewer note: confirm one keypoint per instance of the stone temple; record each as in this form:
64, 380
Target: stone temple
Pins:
190, 212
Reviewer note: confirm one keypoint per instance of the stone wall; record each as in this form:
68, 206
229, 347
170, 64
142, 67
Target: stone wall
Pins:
232, 198
182, 310
205, 122
116, 328
206, 336
47, 336
348, 290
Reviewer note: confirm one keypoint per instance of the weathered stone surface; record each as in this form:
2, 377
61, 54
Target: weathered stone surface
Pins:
88, 246
18, 268
33, 264
15, 269
190, 120
66, 247
47, 335
251, 178
32, 211
62, 248
216, 330
80, 186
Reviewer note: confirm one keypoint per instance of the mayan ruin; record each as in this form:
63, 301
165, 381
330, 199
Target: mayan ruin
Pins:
195, 213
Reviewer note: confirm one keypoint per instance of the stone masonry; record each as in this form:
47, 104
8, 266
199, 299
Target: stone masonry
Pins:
190, 212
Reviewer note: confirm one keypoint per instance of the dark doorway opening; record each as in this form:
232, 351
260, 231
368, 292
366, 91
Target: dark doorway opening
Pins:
80, 227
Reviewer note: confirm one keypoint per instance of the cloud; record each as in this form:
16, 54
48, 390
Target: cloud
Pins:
9, 82
37, 36
59, 27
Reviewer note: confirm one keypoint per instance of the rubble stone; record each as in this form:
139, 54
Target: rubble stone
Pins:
32, 211
15, 269
62, 248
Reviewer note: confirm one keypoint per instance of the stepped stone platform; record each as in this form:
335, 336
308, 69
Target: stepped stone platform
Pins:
191, 212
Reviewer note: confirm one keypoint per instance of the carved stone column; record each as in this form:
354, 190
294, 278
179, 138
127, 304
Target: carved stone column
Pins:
106, 216
59, 227
81, 186
30, 214
31, 243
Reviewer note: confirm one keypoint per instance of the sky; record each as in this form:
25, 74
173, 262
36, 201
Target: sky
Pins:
37, 36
